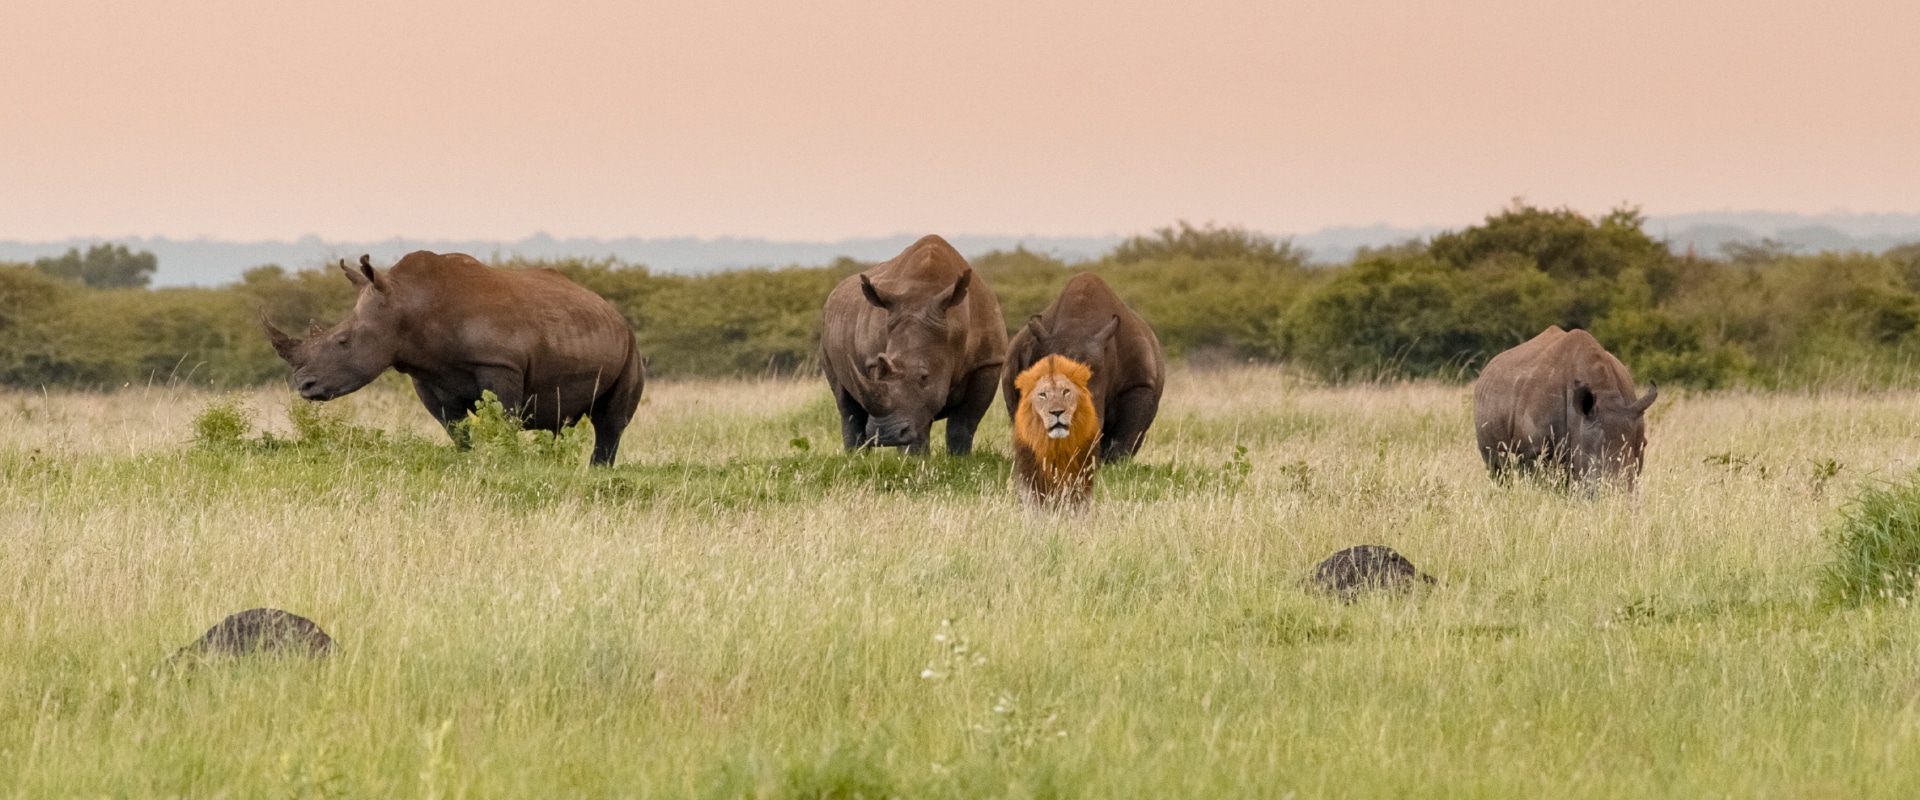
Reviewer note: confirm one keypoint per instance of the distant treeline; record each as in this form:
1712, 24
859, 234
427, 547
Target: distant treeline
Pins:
1759, 316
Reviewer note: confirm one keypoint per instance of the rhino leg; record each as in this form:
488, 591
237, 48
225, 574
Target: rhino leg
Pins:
507, 384
963, 418
446, 411
853, 421
1128, 417
614, 409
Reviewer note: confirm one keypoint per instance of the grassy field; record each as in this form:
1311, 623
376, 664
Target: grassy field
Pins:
739, 610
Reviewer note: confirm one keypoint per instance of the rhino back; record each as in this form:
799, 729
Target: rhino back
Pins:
1522, 393
1133, 357
458, 312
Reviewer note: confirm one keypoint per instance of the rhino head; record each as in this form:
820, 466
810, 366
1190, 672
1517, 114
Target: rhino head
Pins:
1607, 433
908, 381
330, 362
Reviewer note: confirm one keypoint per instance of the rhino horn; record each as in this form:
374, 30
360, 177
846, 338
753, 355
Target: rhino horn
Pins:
1640, 406
282, 343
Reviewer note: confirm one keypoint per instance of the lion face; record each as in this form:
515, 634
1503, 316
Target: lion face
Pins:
1054, 399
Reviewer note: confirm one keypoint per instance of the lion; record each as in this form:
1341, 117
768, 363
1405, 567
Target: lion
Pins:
1055, 433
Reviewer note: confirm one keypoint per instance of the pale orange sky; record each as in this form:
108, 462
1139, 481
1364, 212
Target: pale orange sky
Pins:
250, 119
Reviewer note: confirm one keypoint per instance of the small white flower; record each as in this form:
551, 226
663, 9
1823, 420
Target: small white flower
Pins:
927, 673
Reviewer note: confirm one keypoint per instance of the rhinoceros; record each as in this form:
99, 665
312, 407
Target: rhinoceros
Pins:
1560, 402
549, 349
1091, 325
916, 339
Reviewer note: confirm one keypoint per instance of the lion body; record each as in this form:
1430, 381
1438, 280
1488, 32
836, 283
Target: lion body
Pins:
1055, 433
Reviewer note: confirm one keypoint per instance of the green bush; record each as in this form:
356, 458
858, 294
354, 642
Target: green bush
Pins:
1420, 317
493, 433
224, 423
1876, 545
1762, 317
103, 266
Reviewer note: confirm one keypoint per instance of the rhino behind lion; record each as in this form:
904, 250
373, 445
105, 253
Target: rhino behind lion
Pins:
910, 341
548, 348
1089, 324
1560, 402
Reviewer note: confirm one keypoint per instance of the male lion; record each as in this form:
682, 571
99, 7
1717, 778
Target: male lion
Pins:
1055, 432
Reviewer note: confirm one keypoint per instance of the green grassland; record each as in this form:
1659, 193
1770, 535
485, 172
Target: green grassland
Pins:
740, 610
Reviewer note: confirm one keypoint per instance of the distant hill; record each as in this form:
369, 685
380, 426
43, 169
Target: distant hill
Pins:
204, 262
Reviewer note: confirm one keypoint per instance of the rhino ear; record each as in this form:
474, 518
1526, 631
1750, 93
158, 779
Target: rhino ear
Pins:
354, 276
873, 293
378, 280
1036, 329
1644, 403
1104, 336
1584, 399
282, 343
958, 292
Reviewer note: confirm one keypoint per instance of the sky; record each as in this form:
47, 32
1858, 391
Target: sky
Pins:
247, 120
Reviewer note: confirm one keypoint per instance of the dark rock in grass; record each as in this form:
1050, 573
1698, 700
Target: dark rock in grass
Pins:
261, 630
1350, 572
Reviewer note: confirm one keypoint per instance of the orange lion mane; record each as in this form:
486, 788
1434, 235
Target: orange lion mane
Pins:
1055, 470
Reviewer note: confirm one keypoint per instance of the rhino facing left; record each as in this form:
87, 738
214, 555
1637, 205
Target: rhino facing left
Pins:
551, 350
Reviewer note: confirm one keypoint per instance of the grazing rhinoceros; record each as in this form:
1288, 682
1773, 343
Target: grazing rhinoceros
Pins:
1089, 324
1561, 402
910, 341
548, 348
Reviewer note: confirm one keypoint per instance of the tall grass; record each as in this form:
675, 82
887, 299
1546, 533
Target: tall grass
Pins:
728, 613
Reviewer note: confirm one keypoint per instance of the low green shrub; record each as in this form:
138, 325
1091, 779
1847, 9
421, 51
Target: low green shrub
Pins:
1876, 545
224, 423
493, 433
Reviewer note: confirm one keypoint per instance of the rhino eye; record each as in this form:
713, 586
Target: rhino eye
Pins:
340, 340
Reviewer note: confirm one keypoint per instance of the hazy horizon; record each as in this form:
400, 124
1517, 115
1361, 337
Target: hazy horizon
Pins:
208, 262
